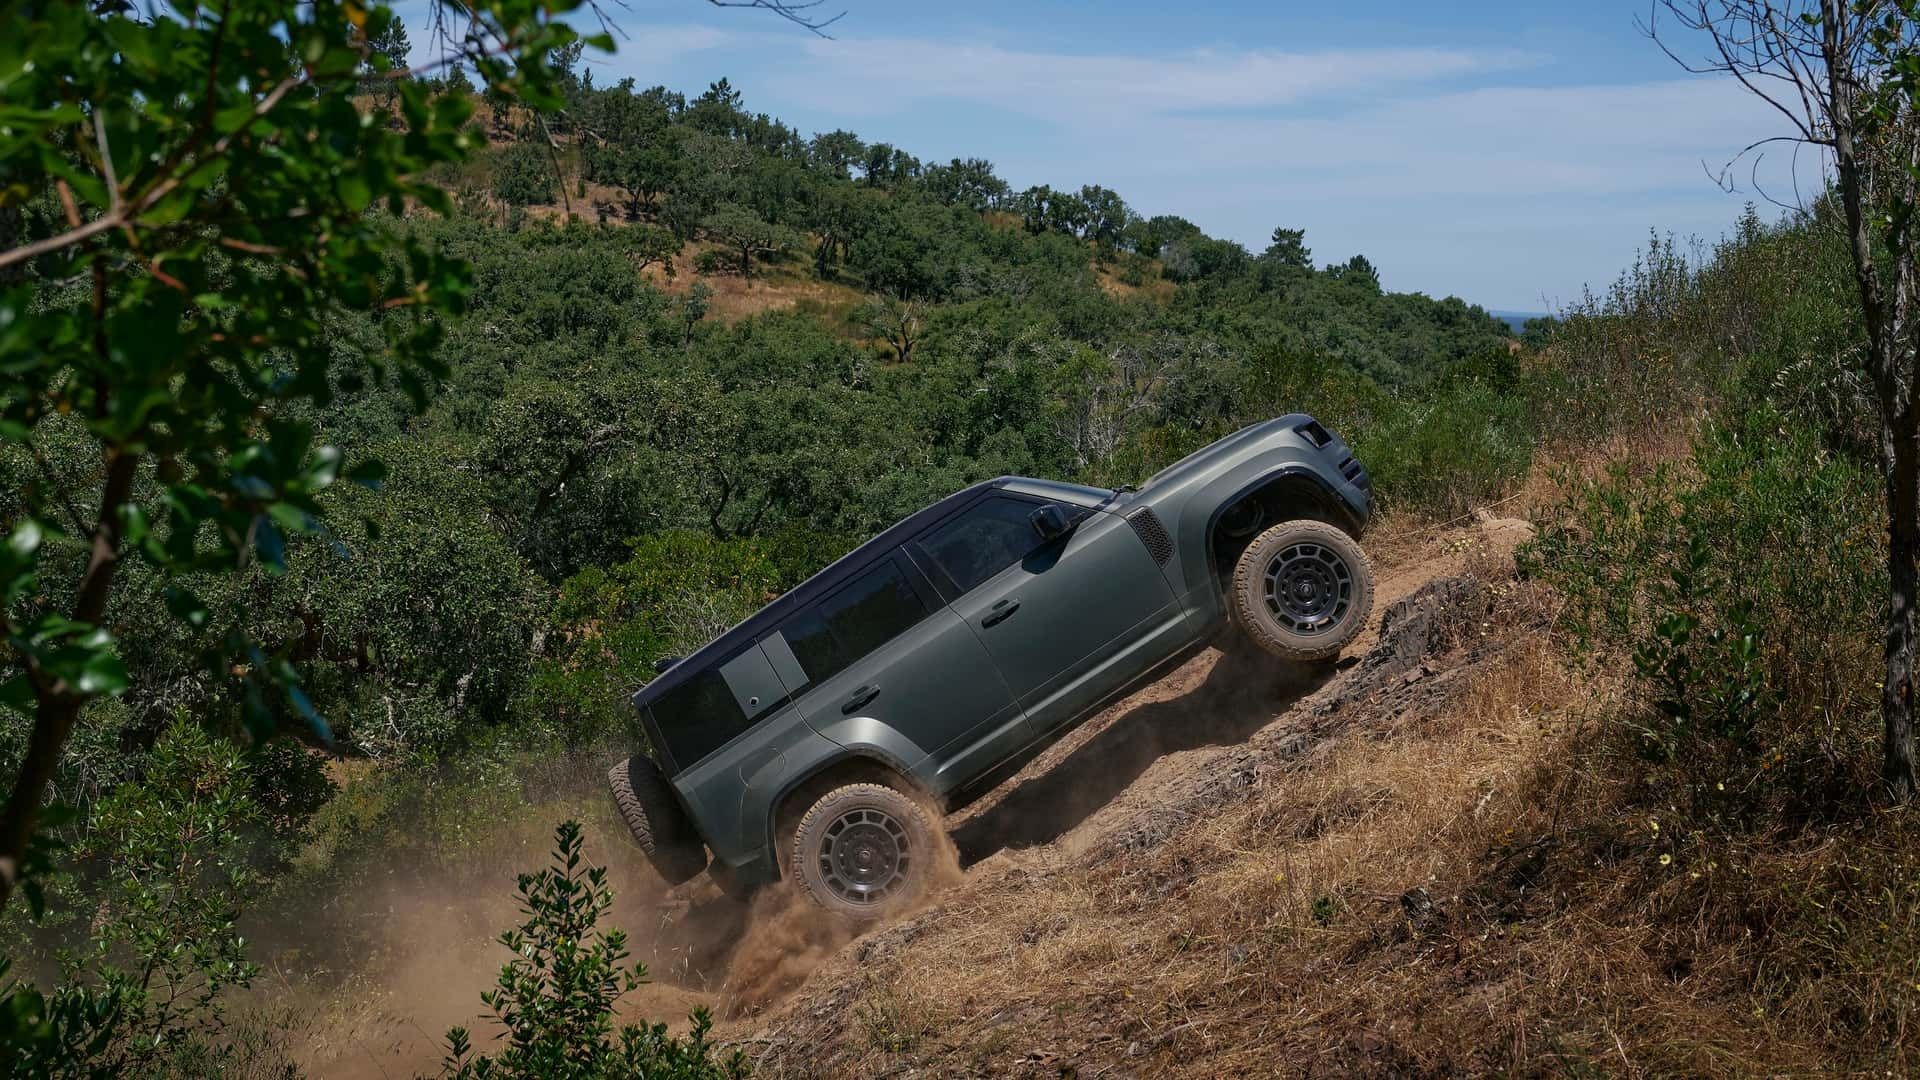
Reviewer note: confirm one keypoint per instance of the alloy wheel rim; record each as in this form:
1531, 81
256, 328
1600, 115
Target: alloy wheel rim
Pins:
865, 855
1308, 588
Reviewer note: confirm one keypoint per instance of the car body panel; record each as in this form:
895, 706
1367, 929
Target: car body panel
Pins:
1132, 586
1079, 601
938, 693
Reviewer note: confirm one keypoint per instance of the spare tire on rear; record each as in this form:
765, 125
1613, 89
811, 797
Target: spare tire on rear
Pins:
659, 825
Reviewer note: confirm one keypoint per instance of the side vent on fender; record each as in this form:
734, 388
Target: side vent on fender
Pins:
1146, 525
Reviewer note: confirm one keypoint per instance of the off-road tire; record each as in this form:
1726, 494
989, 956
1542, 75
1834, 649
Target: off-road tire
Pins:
1333, 565
833, 877
659, 826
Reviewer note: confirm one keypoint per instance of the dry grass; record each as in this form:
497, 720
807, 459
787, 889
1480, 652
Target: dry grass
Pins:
1243, 940
1475, 890
770, 289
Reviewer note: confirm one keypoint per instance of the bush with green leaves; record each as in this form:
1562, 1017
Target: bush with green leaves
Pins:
523, 172
555, 999
1448, 453
167, 866
1745, 585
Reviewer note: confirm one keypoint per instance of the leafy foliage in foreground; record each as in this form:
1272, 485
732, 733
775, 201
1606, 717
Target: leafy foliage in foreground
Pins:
1745, 586
555, 999
179, 854
191, 202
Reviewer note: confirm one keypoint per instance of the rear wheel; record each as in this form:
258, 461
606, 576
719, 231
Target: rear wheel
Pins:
659, 826
862, 850
1302, 590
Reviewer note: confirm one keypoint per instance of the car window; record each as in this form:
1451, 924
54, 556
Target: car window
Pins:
988, 537
698, 717
866, 614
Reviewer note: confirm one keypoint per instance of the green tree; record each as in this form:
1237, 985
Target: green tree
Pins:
720, 111
835, 213
218, 196
1289, 249
1107, 215
387, 52
523, 173
630, 143
749, 235
836, 153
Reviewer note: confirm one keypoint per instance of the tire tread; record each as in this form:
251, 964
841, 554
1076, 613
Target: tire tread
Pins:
658, 825
825, 805
1245, 591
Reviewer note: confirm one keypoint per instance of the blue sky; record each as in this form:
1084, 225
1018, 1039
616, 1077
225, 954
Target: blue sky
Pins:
1506, 152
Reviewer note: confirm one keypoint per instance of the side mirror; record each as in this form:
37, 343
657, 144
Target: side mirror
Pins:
1051, 522
661, 665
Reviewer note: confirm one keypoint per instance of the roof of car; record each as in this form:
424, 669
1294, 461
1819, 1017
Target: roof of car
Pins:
840, 570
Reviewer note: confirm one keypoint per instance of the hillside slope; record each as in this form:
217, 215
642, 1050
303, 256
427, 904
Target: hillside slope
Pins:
1127, 893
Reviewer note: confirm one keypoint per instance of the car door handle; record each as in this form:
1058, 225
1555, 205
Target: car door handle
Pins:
1001, 611
860, 697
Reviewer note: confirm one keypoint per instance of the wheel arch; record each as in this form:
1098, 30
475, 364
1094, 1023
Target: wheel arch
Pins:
863, 765
1281, 493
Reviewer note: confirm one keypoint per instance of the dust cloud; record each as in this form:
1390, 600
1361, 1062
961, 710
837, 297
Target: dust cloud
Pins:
382, 970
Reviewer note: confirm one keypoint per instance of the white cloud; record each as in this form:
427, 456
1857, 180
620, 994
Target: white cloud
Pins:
876, 75
654, 46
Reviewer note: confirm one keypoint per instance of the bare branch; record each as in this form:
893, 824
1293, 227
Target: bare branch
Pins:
796, 13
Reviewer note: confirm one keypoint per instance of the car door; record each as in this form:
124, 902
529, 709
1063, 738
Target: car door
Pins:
881, 662
1067, 621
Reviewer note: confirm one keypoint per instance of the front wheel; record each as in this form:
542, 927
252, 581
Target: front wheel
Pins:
863, 849
1302, 590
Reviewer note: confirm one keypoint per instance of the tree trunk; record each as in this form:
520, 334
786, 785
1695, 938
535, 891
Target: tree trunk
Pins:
58, 706
1903, 593
1899, 427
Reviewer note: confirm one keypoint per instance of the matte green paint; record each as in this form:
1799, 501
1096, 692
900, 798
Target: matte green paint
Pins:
1091, 615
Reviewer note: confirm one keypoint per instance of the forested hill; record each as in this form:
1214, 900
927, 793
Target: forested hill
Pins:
757, 196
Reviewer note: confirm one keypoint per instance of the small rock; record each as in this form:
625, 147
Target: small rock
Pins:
1134, 1049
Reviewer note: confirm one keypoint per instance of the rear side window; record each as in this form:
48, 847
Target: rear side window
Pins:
988, 537
874, 609
698, 717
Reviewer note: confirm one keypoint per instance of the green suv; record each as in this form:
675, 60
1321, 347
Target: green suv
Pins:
830, 729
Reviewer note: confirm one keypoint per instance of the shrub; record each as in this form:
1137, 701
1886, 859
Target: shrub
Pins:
176, 856
1747, 579
555, 998
523, 174
1446, 454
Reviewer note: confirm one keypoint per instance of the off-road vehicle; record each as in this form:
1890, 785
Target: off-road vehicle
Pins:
829, 730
